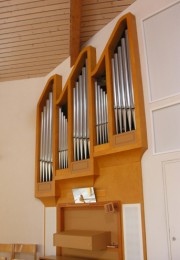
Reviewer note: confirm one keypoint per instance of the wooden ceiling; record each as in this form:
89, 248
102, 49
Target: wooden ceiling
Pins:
37, 35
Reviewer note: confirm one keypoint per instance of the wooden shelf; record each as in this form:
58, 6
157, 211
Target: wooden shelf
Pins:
62, 258
83, 239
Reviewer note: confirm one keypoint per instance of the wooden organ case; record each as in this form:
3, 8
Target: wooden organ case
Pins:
92, 132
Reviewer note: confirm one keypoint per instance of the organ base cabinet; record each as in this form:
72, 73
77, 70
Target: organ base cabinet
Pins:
92, 133
88, 230
83, 239
61, 258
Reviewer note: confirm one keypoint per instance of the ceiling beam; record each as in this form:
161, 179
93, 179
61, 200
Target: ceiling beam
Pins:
75, 25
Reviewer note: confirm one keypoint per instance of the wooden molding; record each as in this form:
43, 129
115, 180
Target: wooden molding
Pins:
75, 25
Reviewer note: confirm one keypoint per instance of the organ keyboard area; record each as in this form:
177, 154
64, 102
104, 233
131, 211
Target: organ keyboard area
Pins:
97, 102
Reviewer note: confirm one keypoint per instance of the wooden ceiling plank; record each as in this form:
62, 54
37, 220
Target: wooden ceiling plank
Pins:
63, 15
99, 6
75, 25
30, 29
92, 2
90, 28
13, 53
40, 38
32, 40
100, 16
86, 24
107, 10
30, 34
16, 5
15, 2
30, 57
29, 61
39, 69
62, 43
56, 55
28, 69
26, 55
19, 73
64, 8
88, 34
32, 66
38, 21
35, 72
33, 47
20, 77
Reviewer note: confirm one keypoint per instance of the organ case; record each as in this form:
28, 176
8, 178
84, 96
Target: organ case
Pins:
101, 125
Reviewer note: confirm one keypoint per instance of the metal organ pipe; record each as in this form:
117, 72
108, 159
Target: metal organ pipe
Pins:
63, 139
80, 117
46, 140
122, 87
130, 78
101, 113
84, 110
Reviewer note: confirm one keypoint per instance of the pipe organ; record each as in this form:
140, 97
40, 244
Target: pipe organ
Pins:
92, 132
94, 114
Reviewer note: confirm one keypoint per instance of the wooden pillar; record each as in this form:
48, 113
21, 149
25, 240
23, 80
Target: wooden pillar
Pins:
75, 24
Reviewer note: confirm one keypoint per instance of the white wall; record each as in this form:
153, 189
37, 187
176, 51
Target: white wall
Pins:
21, 215
154, 190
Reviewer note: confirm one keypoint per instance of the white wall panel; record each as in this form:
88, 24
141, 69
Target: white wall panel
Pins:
22, 215
132, 232
171, 174
162, 41
50, 229
166, 128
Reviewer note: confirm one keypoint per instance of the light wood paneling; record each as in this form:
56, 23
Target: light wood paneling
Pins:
97, 13
75, 25
35, 35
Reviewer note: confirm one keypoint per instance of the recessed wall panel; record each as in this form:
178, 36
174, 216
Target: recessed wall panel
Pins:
166, 129
162, 41
133, 248
50, 229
